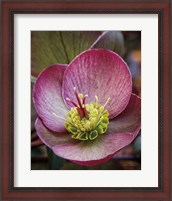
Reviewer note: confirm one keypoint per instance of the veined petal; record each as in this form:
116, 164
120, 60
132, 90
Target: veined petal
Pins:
102, 73
130, 119
47, 97
49, 137
100, 150
89, 153
121, 132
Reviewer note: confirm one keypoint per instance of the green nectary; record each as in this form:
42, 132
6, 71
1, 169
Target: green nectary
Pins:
90, 126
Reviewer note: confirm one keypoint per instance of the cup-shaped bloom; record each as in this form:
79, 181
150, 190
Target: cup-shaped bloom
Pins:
87, 111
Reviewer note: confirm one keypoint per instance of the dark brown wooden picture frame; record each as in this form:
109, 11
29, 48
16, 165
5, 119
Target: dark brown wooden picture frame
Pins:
11, 7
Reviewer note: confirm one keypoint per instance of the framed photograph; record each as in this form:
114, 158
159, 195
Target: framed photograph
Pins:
86, 100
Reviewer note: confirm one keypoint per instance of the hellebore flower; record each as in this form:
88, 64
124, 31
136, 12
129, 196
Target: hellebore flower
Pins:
87, 111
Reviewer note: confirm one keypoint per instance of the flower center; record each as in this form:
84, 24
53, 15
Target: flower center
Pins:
87, 121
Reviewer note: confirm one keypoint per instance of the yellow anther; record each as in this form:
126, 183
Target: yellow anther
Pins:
97, 100
80, 95
90, 126
108, 100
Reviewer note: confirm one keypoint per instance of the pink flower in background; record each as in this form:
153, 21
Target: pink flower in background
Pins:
86, 109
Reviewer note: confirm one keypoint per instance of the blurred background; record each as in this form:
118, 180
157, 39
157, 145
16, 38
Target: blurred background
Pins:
46, 49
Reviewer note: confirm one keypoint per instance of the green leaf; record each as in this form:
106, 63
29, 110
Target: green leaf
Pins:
112, 40
36, 152
55, 161
50, 47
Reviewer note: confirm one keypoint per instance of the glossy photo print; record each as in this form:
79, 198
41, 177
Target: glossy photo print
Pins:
86, 100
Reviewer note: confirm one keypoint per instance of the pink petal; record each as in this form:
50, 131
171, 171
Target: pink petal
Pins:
97, 151
121, 132
130, 119
47, 97
99, 72
49, 137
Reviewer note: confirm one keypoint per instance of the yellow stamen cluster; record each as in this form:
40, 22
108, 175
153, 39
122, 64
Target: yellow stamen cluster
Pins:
89, 127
